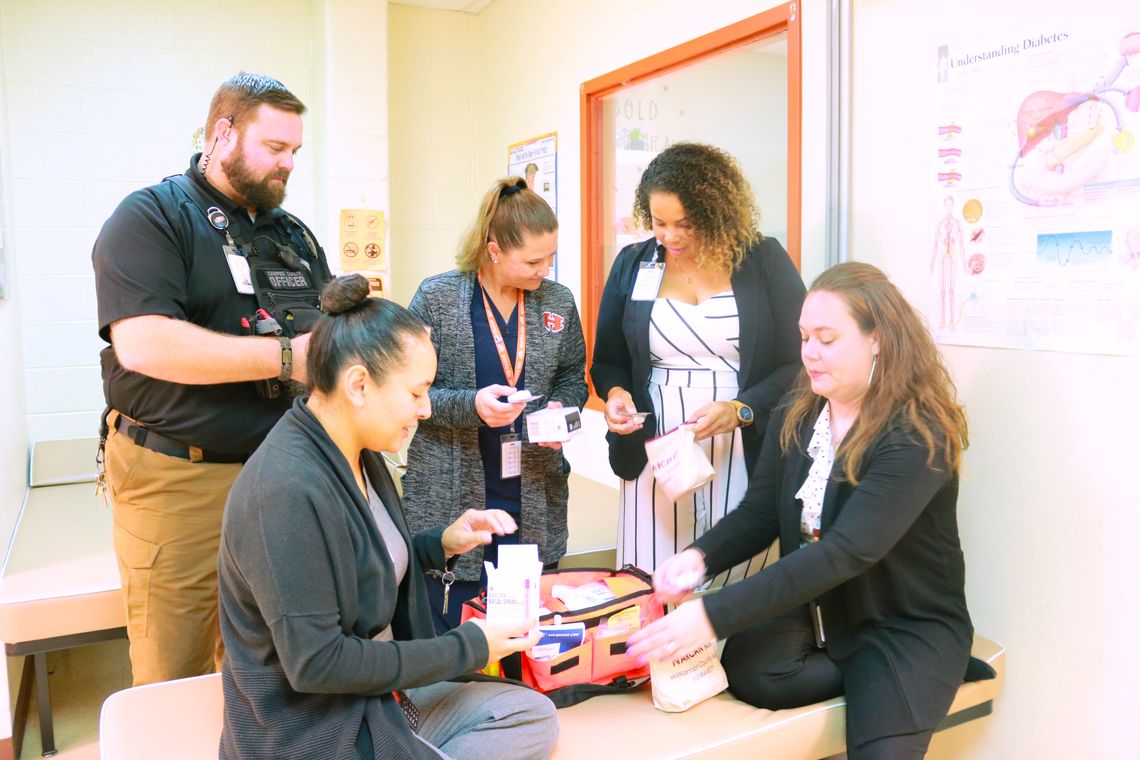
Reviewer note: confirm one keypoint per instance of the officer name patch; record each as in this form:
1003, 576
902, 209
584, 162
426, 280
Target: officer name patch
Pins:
553, 322
284, 278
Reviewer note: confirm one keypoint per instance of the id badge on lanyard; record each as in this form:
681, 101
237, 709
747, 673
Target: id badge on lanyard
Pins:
235, 258
239, 269
649, 276
510, 456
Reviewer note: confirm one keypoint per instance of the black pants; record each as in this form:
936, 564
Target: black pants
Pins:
776, 665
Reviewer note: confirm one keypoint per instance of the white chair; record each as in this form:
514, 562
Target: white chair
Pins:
172, 720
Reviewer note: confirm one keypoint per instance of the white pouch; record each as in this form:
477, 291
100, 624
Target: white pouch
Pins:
679, 463
687, 679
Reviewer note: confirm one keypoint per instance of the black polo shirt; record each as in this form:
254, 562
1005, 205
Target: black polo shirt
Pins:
159, 254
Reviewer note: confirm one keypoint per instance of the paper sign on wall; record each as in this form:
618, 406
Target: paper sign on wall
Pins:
536, 161
362, 236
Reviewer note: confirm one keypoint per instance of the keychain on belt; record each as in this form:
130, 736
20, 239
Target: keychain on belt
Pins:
447, 579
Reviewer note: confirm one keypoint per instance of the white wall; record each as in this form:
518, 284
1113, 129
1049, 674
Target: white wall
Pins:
118, 110
103, 99
14, 441
348, 125
432, 107
1048, 511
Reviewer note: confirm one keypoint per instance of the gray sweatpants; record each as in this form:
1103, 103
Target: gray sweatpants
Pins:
481, 720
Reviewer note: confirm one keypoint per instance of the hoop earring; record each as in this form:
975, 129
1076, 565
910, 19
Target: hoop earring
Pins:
874, 363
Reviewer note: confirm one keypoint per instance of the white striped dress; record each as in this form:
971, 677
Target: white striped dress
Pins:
694, 350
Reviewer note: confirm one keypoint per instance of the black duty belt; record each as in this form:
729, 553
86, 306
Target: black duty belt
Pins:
148, 439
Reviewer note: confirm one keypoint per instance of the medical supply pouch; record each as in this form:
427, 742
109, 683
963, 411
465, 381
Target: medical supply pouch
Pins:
688, 678
611, 605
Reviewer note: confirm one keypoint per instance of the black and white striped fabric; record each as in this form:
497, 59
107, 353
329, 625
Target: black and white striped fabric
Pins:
696, 359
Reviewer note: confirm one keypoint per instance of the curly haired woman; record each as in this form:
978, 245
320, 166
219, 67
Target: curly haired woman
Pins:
716, 344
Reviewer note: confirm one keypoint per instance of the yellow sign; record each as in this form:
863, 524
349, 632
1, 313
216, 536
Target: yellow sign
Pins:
362, 235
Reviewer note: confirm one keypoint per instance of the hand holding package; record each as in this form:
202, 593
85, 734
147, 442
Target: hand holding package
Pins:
680, 465
513, 586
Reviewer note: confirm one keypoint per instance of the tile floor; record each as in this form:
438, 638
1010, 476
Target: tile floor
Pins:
80, 680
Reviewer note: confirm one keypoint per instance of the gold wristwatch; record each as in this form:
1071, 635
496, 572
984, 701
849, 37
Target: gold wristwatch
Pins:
744, 414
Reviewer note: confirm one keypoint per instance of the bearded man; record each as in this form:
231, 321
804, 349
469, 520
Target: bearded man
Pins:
206, 289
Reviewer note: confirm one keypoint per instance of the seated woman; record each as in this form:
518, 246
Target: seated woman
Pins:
858, 478
330, 650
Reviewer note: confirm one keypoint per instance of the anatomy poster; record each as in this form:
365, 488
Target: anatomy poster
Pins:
1035, 213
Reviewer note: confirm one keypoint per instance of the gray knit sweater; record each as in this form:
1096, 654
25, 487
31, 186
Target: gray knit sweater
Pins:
445, 468
305, 582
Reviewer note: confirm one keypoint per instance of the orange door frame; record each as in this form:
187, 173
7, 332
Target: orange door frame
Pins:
782, 18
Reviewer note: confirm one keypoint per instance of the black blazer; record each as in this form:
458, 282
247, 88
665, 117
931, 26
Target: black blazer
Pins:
888, 573
769, 296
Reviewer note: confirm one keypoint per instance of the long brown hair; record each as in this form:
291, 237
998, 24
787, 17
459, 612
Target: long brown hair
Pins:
909, 379
509, 211
717, 199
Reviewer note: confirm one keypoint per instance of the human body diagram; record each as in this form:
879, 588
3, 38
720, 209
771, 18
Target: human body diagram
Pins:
948, 255
1066, 141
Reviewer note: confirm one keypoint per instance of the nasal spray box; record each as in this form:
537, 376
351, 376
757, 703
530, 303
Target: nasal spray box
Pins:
553, 425
513, 587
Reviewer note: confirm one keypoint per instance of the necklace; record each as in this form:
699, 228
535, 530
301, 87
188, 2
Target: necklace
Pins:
687, 275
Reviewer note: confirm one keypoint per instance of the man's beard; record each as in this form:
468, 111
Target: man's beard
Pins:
258, 193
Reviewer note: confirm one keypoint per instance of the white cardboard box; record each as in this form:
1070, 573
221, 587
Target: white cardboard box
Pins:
553, 425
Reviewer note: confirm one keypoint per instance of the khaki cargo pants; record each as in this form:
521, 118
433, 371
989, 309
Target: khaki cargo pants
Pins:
167, 524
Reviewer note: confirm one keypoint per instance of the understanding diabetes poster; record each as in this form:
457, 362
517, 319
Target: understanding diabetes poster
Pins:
1035, 228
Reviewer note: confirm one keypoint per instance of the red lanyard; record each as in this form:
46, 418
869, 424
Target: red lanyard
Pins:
511, 374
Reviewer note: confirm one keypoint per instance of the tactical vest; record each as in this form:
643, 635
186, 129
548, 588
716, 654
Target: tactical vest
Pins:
286, 278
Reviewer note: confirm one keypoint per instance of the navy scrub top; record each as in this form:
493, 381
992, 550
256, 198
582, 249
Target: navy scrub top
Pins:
501, 494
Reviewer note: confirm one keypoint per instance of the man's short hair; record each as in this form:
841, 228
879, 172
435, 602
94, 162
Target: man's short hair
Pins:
240, 95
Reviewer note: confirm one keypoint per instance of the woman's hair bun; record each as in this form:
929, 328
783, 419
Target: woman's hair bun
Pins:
511, 185
344, 294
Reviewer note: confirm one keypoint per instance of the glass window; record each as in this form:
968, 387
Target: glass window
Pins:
736, 100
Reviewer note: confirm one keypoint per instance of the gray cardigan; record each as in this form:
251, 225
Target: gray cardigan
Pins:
445, 468
305, 582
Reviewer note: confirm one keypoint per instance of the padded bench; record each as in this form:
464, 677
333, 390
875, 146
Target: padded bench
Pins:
59, 587
725, 728
183, 720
